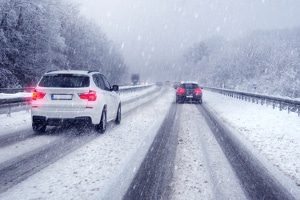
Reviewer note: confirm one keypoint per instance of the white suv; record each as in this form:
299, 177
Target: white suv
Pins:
76, 97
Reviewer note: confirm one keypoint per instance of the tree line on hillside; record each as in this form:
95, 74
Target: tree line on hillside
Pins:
41, 35
266, 62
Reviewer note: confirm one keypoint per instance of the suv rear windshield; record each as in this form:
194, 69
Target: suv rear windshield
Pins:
190, 85
64, 81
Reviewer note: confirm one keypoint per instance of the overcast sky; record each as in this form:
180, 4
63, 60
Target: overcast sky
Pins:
157, 32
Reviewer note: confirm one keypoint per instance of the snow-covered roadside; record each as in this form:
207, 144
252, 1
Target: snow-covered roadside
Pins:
15, 95
17, 121
274, 133
102, 168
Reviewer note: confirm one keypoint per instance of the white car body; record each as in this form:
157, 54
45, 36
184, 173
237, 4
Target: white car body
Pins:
54, 104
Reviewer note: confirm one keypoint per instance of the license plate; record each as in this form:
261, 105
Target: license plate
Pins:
61, 96
189, 96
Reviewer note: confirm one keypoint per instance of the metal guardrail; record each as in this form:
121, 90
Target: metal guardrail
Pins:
283, 104
16, 90
133, 88
9, 104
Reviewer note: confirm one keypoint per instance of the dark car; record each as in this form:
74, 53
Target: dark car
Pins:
189, 92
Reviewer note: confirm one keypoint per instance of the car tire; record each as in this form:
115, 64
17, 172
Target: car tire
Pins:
119, 115
101, 127
200, 101
38, 127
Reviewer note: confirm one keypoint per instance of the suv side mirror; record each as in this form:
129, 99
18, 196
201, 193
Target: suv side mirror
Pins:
115, 88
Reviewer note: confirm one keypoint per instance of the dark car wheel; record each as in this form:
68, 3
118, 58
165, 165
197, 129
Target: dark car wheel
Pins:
101, 127
38, 127
118, 118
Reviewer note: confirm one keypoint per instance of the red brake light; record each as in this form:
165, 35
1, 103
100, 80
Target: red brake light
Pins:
180, 91
37, 95
90, 96
198, 91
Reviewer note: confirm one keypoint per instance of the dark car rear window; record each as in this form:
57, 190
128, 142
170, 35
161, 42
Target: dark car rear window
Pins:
190, 85
64, 81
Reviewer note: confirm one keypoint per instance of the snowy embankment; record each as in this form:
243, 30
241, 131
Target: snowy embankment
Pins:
274, 133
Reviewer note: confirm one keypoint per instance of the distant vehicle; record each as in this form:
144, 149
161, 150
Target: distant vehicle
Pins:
176, 85
74, 97
159, 83
189, 92
167, 83
135, 79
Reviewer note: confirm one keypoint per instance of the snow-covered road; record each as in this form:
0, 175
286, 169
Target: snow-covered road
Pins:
201, 169
104, 167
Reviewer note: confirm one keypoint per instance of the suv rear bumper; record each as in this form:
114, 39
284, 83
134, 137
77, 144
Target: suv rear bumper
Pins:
79, 121
90, 113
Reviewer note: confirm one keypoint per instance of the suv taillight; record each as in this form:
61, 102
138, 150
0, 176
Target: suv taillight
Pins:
37, 95
180, 91
198, 91
90, 96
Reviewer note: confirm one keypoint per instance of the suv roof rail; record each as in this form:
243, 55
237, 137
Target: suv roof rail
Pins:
51, 71
90, 71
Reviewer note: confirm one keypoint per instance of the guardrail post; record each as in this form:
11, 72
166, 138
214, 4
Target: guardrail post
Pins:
9, 111
280, 106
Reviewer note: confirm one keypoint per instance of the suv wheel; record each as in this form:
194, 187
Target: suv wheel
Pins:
38, 127
101, 127
118, 118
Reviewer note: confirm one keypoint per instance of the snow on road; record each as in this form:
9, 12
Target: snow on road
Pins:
273, 133
201, 169
103, 168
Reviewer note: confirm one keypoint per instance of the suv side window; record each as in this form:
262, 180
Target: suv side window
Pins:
95, 79
98, 81
106, 83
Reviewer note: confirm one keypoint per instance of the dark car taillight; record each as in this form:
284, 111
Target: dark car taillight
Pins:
198, 91
90, 96
37, 95
180, 91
